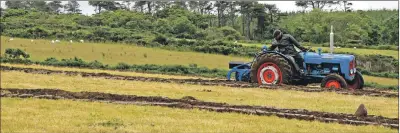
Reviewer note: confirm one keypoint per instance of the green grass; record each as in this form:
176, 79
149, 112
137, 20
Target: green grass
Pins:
381, 80
369, 79
40, 50
323, 101
39, 115
130, 73
115, 53
357, 51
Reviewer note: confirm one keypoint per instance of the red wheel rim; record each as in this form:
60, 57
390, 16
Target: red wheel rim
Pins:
332, 83
269, 76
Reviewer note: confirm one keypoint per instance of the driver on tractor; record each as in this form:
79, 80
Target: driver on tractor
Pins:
285, 44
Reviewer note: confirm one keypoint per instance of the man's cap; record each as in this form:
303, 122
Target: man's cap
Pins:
276, 33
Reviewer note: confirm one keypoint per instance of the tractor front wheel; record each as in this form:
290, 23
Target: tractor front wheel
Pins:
357, 83
334, 81
271, 69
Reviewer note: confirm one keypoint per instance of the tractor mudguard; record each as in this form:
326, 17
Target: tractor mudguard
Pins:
290, 59
293, 62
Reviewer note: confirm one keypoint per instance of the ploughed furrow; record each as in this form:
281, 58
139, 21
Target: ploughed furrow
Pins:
237, 84
189, 102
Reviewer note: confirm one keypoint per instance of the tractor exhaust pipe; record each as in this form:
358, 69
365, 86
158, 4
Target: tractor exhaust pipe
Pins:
331, 40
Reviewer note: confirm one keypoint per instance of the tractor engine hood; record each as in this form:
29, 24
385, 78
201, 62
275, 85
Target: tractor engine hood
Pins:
342, 60
327, 58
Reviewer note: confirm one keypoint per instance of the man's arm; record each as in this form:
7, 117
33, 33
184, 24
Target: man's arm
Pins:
297, 44
273, 46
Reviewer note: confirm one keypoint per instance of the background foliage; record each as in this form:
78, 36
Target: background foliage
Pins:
142, 22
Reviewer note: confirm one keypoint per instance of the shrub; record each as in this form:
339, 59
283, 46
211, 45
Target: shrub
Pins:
73, 62
16, 53
375, 85
15, 60
193, 65
50, 61
122, 66
161, 39
96, 64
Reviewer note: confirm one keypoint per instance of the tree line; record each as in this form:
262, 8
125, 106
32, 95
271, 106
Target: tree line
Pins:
228, 20
52, 6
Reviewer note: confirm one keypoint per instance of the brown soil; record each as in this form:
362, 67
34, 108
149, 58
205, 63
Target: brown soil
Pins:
189, 102
237, 84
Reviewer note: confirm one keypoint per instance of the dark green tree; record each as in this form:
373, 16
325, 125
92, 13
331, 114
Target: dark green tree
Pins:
16, 4
221, 7
105, 5
194, 6
315, 4
39, 5
181, 4
55, 6
72, 7
204, 5
140, 5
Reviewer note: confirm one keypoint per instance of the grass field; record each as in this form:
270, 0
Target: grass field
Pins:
36, 115
358, 51
116, 53
103, 71
323, 101
379, 80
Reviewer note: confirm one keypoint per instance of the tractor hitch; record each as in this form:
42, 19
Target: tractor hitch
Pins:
241, 70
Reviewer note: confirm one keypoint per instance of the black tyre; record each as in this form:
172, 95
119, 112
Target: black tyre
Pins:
334, 80
271, 69
357, 83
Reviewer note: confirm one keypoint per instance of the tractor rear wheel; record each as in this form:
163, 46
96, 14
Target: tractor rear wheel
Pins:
334, 81
357, 83
271, 69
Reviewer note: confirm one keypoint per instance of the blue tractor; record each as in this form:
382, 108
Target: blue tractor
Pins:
271, 67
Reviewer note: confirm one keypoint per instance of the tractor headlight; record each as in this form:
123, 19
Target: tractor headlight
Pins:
351, 71
355, 70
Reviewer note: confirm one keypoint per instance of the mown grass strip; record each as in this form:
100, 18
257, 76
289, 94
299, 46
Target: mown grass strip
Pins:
176, 69
322, 101
37, 115
115, 72
190, 103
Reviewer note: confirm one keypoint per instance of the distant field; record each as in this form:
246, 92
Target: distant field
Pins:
104, 71
321, 101
37, 115
358, 51
115, 53
381, 80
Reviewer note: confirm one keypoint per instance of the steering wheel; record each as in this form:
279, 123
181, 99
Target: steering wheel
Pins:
308, 50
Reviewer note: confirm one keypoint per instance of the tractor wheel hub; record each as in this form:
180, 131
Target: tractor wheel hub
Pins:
333, 84
269, 75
